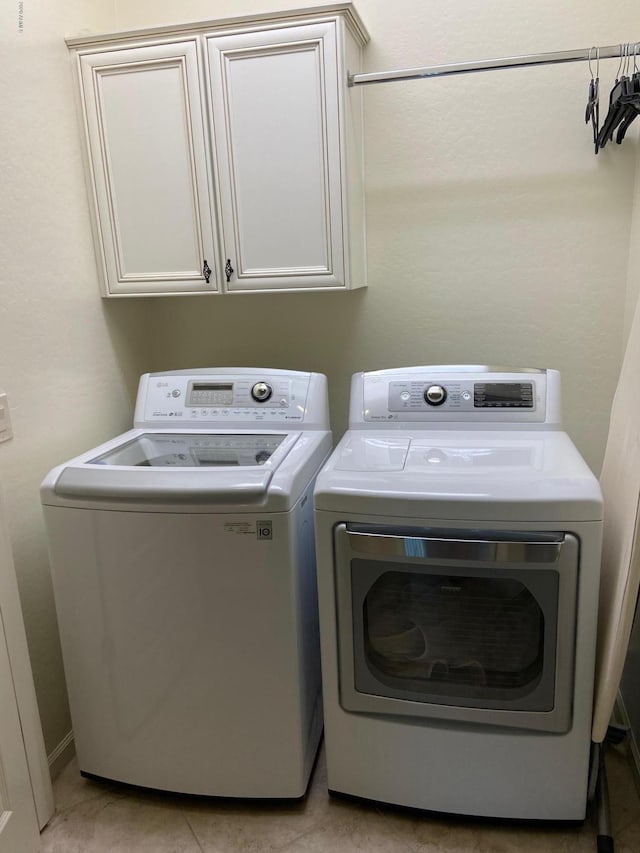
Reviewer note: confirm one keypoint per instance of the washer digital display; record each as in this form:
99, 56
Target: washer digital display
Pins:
210, 394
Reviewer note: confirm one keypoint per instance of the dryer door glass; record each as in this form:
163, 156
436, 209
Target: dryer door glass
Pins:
466, 625
459, 636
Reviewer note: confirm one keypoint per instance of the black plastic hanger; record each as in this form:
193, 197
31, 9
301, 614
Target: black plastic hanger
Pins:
631, 101
620, 98
592, 111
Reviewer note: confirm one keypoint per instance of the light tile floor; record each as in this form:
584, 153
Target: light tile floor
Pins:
99, 818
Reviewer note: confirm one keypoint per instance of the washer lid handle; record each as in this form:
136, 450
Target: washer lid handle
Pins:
159, 485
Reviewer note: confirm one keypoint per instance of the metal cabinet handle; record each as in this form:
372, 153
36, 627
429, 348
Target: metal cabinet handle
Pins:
206, 271
228, 269
477, 550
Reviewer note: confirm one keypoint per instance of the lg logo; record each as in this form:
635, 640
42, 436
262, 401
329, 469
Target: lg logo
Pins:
264, 530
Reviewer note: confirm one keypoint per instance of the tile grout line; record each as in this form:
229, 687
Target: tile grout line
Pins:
72, 806
311, 828
620, 833
385, 816
193, 832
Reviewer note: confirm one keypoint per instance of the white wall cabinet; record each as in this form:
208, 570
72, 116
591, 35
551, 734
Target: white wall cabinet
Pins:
226, 156
148, 169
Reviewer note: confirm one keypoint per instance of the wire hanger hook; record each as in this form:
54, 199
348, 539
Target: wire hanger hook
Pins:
620, 63
597, 74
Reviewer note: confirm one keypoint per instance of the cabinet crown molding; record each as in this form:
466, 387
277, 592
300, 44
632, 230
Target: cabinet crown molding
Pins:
345, 10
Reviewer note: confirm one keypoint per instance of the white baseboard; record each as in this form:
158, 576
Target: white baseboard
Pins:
61, 755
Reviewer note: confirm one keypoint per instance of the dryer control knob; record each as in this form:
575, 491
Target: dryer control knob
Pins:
435, 395
261, 392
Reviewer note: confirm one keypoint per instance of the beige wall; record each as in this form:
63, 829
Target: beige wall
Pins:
494, 236
633, 279
67, 361
494, 233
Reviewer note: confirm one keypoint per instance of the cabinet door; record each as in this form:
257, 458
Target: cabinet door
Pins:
274, 98
148, 169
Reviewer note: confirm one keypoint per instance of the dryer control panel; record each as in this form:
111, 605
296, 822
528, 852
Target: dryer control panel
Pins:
232, 397
464, 396
450, 394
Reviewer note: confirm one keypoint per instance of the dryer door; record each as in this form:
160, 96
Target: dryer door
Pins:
474, 626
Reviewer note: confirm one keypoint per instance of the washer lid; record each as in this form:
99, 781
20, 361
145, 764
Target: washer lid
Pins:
468, 475
228, 468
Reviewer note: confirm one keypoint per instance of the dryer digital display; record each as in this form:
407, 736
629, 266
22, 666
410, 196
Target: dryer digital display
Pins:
503, 395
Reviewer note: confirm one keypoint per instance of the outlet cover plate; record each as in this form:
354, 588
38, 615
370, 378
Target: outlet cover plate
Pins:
5, 418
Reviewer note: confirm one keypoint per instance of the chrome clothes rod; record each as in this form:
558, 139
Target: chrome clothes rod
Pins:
615, 51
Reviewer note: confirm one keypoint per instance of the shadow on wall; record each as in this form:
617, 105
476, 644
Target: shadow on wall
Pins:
548, 195
132, 324
297, 331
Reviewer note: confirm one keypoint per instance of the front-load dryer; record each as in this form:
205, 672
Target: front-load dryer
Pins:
458, 536
183, 567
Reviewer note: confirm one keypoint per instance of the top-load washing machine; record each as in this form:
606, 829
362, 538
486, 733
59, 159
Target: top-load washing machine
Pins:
458, 534
184, 575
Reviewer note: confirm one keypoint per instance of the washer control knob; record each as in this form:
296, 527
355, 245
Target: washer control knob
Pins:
261, 392
435, 395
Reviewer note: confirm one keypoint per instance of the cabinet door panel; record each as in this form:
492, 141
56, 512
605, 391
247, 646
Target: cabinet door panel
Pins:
274, 102
148, 158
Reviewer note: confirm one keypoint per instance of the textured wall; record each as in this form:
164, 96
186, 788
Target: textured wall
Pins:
633, 279
494, 233
67, 363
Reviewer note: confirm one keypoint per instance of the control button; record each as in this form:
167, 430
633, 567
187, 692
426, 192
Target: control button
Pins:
175, 392
283, 402
405, 396
435, 395
466, 395
261, 392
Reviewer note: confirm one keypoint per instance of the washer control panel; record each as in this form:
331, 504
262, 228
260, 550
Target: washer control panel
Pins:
202, 399
466, 395
239, 393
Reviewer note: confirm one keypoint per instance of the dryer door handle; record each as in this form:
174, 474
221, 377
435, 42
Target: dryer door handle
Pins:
490, 550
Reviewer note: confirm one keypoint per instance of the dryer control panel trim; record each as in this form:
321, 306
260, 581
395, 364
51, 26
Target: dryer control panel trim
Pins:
440, 395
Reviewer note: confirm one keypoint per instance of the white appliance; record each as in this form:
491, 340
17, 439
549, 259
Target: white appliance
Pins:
184, 575
458, 537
